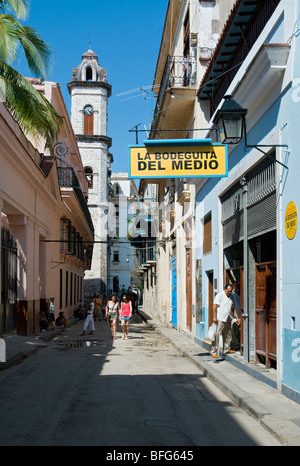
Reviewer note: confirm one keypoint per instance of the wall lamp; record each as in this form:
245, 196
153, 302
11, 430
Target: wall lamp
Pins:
230, 120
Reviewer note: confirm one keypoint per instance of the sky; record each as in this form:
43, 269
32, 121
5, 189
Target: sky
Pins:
126, 36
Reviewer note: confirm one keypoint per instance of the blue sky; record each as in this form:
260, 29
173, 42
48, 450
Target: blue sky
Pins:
126, 36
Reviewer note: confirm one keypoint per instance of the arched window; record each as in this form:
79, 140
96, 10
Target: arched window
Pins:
89, 74
89, 176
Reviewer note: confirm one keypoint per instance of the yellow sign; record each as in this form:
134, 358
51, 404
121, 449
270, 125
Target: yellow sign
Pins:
172, 161
291, 218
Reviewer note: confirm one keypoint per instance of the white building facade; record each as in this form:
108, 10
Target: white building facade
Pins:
89, 92
123, 265
246, 223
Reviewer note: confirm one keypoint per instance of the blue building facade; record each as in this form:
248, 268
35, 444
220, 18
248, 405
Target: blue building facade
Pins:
246, 224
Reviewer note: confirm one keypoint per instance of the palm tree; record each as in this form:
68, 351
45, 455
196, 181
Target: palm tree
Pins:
31, 109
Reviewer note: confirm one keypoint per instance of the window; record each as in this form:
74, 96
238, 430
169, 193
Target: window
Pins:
88, 124
89, 74
60, 288
186, 35
89, 177
207, 234
116, 284
65, 235
116, 256
67, 287
71, 289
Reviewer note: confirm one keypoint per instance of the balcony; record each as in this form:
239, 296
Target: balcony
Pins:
178, 91
68, 179
243, 28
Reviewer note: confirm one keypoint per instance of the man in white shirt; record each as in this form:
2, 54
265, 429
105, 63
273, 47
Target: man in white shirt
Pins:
223, 307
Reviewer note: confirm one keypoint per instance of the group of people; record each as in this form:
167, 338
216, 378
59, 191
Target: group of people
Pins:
227, 316
112, 310
109, 309
47, 319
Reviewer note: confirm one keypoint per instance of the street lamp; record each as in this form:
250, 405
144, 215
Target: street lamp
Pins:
230, 121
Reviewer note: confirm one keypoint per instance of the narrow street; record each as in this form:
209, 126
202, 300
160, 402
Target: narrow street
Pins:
91, 391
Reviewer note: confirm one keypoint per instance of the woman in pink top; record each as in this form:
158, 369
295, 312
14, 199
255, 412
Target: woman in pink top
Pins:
125, 315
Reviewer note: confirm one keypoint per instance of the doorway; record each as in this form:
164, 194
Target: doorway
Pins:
210, 297
9, 281
174, 292
189, 289
265, 313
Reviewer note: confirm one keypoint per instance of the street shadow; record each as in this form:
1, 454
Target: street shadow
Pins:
92, 401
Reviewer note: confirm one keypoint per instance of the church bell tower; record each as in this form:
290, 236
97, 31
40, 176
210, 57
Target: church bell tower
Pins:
89, 92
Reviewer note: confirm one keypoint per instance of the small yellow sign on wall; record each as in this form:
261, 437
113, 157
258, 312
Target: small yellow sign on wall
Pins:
291, 220
178, 158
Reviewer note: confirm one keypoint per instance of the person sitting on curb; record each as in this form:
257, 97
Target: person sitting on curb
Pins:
44, 323
61, 321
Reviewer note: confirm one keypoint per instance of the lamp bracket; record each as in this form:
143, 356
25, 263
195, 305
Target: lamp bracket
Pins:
266, 153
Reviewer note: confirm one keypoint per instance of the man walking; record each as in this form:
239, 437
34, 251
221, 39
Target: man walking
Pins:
222, 308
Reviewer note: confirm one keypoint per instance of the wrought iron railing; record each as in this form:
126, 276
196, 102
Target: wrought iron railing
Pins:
260, 18
68, 179
179, 72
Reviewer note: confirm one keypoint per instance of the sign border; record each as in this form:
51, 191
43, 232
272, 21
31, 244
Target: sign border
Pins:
177, 142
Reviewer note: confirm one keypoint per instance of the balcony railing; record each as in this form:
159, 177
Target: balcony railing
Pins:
179, 72
249, 36
68, 179
182, 71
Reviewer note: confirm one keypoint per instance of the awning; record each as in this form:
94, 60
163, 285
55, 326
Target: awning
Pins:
232, 32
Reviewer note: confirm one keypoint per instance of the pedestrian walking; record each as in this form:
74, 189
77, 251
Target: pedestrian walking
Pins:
89, 318
222, 308
103, 305
111, 315
98, 303
125, 315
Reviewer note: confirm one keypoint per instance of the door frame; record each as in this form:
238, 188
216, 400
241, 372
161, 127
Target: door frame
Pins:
174, 292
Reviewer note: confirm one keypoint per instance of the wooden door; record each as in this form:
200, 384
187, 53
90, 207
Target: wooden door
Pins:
174, 292
189, 288
265, 317
210, 297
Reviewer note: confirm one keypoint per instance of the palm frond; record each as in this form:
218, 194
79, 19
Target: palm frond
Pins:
18, 7
9, 39
38, 53
12, 34
30, 108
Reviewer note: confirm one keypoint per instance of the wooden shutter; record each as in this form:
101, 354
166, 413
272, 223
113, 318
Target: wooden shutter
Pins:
89, 124
207, 243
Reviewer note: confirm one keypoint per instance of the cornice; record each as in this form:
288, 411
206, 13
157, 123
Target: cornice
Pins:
94, 138
90, 84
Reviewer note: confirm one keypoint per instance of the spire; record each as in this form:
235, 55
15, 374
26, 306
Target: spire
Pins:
89, 71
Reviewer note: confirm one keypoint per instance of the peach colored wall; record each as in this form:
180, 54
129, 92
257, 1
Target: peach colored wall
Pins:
32, 205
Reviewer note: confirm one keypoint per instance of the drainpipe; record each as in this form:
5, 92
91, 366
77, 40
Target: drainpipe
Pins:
244, 185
